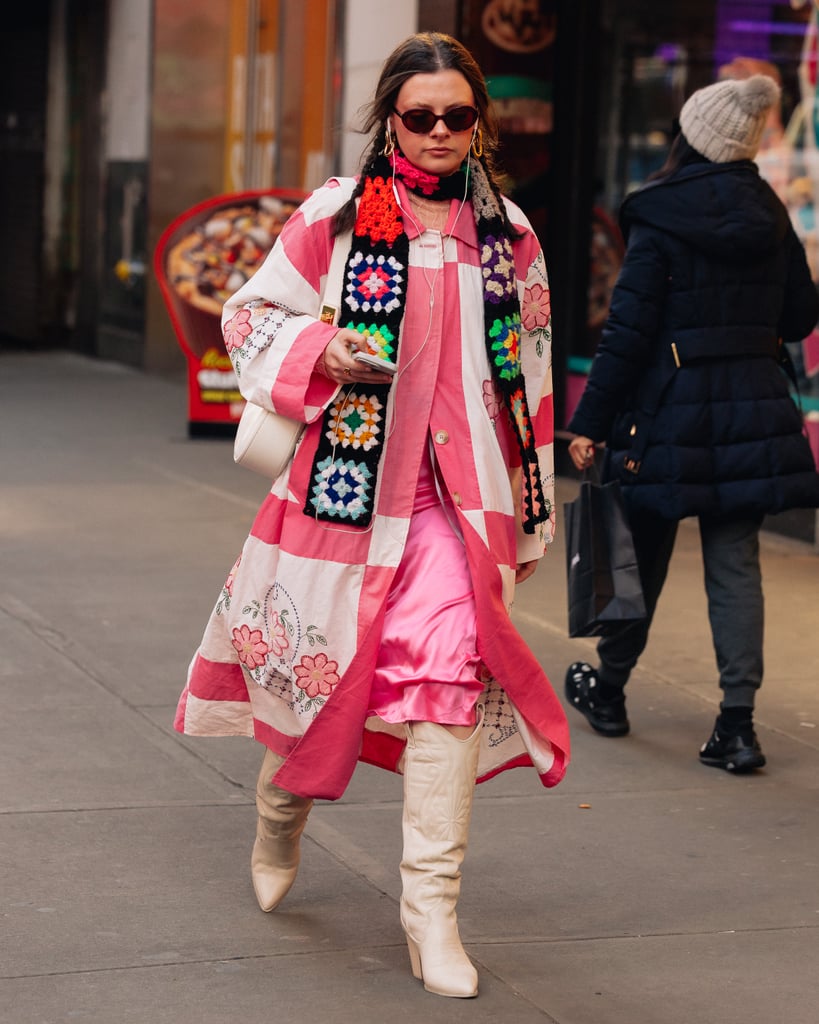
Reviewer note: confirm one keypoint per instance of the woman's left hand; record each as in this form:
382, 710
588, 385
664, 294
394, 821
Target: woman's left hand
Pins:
525, 570
337, 363
581, 452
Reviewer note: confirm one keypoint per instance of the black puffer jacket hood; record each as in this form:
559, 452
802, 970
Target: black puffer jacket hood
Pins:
738, 216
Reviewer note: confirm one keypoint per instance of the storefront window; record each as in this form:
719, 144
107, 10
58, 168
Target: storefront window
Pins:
655, 56
243, 98
513, 42
282, 88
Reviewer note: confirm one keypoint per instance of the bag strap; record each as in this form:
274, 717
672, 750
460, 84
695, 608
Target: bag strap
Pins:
591, 474
330, 311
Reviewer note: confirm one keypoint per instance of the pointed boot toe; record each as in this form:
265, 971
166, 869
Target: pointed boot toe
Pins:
440, 961
274, 861
271, 883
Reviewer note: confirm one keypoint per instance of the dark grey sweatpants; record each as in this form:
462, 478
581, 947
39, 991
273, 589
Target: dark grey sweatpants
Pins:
733, 585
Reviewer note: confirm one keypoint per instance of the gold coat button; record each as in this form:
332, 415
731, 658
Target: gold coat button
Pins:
441, 437
456, 498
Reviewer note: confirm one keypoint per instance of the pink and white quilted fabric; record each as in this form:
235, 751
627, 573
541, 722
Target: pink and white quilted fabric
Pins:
288, 653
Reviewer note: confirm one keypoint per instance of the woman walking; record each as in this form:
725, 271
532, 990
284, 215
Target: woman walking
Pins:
688, 392
367, 617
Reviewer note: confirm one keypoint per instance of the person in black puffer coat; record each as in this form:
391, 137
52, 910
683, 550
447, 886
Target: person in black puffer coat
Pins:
687, 391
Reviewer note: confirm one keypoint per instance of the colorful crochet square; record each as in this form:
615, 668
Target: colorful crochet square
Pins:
530, 492
520, 412
380, 338
498, 263
505, 335
378, 216
341, 489
355, 422
374, 283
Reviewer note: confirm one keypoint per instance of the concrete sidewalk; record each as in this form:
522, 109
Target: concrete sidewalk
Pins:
645, 889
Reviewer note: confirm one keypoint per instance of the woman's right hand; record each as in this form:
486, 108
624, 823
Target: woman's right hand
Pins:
581, 451
337, 363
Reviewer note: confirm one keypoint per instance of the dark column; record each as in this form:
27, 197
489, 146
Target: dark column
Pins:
567, 247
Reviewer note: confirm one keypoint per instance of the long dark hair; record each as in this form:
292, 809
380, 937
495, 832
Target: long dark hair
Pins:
680, 154
420, 54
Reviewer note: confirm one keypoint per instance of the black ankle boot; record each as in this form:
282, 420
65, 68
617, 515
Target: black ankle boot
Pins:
604, 711
732, 720
733, 744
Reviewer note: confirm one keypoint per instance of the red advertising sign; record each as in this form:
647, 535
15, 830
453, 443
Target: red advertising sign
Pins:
201, 259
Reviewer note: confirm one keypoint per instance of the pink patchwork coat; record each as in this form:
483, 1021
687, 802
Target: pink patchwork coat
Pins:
288, 653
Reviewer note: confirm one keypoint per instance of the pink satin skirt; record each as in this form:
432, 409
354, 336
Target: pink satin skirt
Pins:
428, 661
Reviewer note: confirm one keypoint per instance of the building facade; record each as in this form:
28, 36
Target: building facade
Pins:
124, 113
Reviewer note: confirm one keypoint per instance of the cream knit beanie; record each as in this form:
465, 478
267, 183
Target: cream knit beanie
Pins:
725, 121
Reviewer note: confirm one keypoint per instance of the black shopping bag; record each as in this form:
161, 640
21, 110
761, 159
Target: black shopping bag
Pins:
601, 567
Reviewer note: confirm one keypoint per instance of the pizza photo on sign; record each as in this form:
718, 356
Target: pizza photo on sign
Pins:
216, 258
209, 252
205, 255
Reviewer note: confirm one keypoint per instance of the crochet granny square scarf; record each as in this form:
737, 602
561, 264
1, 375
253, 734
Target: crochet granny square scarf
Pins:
347, 460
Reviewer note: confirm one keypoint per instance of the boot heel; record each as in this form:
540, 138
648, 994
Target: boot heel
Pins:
415, 959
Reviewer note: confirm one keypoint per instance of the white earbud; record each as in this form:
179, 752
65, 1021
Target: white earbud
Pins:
394, 189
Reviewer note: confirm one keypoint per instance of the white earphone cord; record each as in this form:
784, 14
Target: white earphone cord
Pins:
430, 283
398, 374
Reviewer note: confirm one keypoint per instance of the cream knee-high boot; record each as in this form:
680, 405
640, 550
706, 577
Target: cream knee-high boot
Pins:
282, 817
439, 782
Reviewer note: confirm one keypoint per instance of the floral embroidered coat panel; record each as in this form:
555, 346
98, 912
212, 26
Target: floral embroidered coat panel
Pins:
288, 653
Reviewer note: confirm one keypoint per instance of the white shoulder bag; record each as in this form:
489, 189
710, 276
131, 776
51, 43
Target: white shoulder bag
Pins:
265, 440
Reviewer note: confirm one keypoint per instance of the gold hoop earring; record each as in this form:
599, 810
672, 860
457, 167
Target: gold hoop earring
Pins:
389, 142
477, 143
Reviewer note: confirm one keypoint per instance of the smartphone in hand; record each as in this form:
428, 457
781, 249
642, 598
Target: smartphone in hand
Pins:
375, 362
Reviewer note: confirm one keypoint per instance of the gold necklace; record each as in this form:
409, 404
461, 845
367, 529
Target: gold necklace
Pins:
428, 204
435, 211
